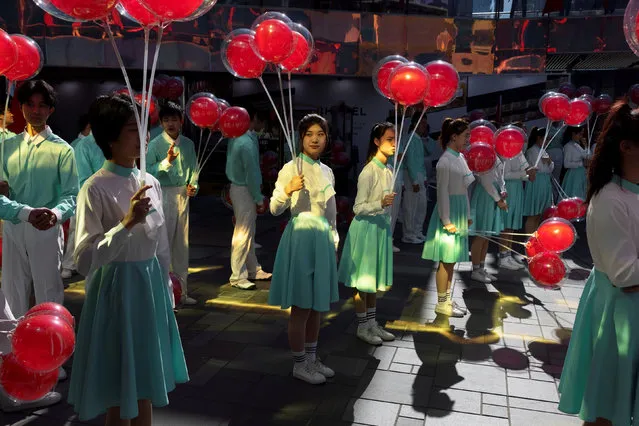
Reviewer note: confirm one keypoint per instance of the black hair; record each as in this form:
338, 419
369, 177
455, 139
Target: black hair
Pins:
452, 127
83, 121
415, 119
108, 115
377, 132
40, 87
569, 132
535, 133
170, 109
622, 124
305, 123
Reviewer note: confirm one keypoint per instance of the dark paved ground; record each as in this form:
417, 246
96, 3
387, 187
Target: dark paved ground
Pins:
497, 366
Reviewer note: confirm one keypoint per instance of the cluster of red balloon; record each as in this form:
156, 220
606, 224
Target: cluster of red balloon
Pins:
545, 266
208, 112
486, 143
631, 25
572, 209
42, 342
20, 57
142, 98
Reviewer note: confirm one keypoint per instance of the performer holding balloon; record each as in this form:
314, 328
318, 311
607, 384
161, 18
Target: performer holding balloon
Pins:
600, 374
305, 272
367, 257
576, 159
172, 160
447, 238
243, 170
538, 193
128, 353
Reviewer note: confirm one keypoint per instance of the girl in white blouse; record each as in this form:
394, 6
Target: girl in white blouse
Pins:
128, 352
305, 271
447, 238
601, 374
576, 159
367, 258
538, 193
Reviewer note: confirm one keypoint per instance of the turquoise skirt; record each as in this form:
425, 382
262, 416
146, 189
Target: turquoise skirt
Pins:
513, 217
305, 271
574, 183
128, 345
601, 369
538, 195
367, 257
442, 246
484, 212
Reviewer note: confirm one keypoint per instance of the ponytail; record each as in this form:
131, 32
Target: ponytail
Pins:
535, 134
377, 133
451, 127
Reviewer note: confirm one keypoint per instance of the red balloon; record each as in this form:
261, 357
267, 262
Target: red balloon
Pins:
408, 83
554, 106
51, 308
274, 40
172, 10
234, 122
8, 52
579, 112
568, 89
29, 61
547, 269
176, 285
261, 210
154, 115
556, 235
480, 157
583, 210
382, 73
238, 55
140, 99
342, 204
269, 159
477, 114
584, 90
174, 88
444, 81
571, 208
534, 247
509, 141
551, 211
203, 110
43, 342
24, 385
634, 94
482, 134
86, 10
340, 159
602, 104
135, 11
159, 88
300, 56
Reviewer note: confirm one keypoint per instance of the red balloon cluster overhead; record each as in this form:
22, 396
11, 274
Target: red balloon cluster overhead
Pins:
20, 57
208, 112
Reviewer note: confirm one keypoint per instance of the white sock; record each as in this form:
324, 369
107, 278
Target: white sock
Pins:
371, 314
442, 297
311, 351
299, 357
362, 319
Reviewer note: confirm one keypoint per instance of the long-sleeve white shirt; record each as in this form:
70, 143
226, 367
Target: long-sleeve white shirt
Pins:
574, 155
493, 177
373, 184
613, 232
531, 156
453, 178
317, 197
515, 168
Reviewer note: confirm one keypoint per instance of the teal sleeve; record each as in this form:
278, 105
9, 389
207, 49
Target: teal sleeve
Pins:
251, 162
10, 209
190, 162
415, 159
153, 160
68, 175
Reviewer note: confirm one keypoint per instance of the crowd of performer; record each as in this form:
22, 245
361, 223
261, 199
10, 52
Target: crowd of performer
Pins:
126, 234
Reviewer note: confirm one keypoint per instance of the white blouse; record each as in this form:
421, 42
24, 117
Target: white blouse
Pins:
531, 156
493, 177
453, 178
613, 232
101, 238
317, 197
515, 168
574, 155
373, 184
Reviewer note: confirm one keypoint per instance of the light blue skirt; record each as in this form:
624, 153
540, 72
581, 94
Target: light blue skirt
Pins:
128, 346
367, 257
305, 271
513, 217
484, 212
442, 246
574, 183
601, 369
538, 195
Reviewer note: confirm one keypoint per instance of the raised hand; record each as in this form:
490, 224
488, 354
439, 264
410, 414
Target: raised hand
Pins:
296, 184
171, 155
138, 208
388, 200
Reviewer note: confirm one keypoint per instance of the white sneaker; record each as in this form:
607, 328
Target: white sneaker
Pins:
411, 240
305, 371
244, 285
257, 245
396, 249
366, 334
62, 375
458, 308
8, 405
186, 300
321, 368
261, 276
510, 264
66, 274
448, 309
479, 276
378, 331
491, 277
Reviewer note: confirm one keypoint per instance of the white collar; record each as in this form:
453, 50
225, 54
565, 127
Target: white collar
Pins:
40, 137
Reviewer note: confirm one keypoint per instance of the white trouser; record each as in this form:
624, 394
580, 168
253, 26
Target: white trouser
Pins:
6, 324
397, 203
243, 259
68, 261
557, 157
31, 257
176, 213
415, 204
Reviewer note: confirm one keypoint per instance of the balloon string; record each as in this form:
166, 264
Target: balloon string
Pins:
144, 70
290, 102
410, 138
545, 147
398, 145
206, 160
198, 156
543, 142
397, 137
206, 145
504, 233
4, 125
592, 133
480, 234
279, 78
505, 246
561, 191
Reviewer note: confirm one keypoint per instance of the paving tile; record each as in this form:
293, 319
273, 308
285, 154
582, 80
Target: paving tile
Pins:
472, 377
522, 330
494, 399
520, 417
532, 389
533, 405
544, 377
345, 365
495, 410
413, 413
451, 418
455, 400
263, 359
385, 356
404, 421
401, 368
250, 332
371, 412
398, 388
206, 372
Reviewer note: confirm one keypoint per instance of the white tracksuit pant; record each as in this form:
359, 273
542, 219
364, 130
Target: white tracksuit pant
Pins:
31, 258
176, 213
397, 203
557, 157
243, 260
68, 261
415, 205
